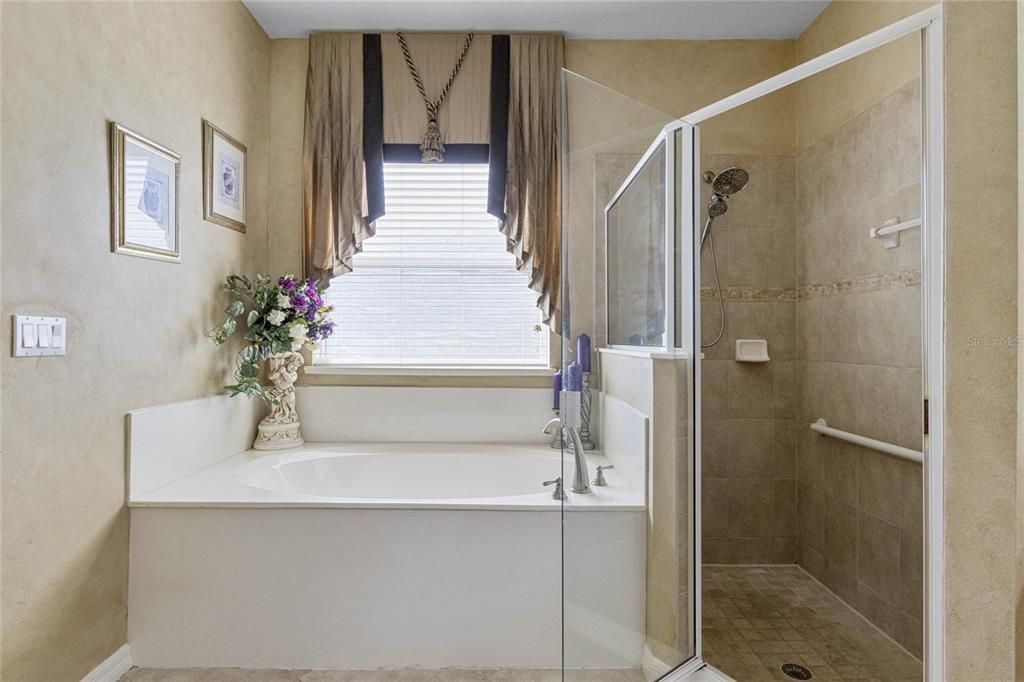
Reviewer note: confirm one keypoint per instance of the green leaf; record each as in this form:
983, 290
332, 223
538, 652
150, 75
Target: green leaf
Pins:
251, 319
235, 308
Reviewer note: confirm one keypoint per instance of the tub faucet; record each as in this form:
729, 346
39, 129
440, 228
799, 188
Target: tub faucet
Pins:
581, 475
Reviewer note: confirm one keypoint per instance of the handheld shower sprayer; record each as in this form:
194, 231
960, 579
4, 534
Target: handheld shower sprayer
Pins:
723, 186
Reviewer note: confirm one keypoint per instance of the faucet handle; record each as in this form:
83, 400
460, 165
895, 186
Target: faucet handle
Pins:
599, 479
559, 492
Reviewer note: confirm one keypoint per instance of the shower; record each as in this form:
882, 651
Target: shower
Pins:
724, 185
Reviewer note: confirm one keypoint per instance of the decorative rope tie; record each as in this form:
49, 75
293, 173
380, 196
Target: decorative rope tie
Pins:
432, 147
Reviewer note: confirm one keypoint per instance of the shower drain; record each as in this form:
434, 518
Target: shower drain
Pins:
797, 672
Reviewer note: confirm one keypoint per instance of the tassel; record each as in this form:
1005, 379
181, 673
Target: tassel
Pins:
432, 147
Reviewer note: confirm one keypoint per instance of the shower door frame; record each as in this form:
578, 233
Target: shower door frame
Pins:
927, 23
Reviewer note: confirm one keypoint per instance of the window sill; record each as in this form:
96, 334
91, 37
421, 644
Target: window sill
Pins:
413, 371
644, 352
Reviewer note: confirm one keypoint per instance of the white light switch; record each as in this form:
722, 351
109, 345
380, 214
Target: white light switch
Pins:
28, 335
36, 336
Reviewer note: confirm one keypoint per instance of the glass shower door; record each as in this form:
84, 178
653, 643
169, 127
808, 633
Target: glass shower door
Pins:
628, 535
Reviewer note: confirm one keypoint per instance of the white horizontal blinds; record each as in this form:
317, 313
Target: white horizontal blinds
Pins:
435, 285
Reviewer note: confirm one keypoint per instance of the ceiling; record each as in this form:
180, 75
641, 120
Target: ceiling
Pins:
624, 19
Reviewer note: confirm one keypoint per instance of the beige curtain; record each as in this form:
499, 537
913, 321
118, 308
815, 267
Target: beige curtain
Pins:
533, 199
464, 114
333, 182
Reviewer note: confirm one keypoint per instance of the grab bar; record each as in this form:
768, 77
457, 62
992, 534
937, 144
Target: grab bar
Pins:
822, 427
892, 227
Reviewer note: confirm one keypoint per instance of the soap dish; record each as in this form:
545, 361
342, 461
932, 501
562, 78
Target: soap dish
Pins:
752, 350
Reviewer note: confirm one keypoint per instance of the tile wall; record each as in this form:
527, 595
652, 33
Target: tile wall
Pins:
858, 355
749, 410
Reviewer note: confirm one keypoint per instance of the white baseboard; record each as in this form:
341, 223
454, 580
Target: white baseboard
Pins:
111, 670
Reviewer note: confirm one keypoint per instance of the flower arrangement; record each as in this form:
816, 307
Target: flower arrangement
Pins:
283, 316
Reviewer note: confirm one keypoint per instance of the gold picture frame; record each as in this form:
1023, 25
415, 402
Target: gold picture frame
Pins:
144, 197
224, 178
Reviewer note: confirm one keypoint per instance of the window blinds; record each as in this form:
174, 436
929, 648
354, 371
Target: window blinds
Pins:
435, 285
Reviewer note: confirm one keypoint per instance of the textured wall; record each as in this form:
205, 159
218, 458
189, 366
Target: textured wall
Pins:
135, 326
981, 302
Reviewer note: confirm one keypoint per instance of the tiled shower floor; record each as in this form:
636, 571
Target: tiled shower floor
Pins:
756, 618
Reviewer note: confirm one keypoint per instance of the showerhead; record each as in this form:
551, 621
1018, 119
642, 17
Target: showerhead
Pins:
730, 181
717, 206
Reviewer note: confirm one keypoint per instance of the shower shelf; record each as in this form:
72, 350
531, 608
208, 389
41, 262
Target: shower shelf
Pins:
892, 227
822, 427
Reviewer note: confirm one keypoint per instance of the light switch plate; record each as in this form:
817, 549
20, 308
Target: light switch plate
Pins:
37, 336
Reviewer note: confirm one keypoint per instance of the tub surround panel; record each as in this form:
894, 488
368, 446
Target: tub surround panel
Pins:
195, 600
400, 414
168, 442
624, 437
657, 387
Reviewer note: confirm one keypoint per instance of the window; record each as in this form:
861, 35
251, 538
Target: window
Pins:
435, 286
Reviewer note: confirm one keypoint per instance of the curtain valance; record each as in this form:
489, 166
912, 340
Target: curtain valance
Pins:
363, 109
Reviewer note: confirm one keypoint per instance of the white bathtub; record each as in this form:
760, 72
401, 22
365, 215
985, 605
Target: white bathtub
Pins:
394, 476
372, 555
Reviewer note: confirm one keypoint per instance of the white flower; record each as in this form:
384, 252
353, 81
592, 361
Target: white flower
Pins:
298, 332
275, 317
283, 301
296, 345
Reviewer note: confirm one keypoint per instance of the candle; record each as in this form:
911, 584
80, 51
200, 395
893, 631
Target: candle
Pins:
583, 351
557, 387
574, 377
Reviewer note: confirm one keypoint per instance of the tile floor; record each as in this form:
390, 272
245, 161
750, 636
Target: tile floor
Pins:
757, 618
490, 675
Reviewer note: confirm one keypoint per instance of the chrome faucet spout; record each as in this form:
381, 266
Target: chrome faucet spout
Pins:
580, 474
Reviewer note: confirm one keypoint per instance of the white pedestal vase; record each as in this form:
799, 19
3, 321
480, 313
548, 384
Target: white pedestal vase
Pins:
279, 430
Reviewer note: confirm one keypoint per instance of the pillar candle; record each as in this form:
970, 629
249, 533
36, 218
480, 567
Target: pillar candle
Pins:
574, 377
583, 351
557, 388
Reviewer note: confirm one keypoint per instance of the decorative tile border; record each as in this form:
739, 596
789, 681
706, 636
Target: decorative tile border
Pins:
908, 277
749, 294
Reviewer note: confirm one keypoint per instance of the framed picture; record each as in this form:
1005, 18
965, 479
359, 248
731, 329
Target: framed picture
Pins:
144, 180
223, 178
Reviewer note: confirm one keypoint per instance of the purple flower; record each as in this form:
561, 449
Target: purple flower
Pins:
321, 332
287, 284
311, 313
298, 302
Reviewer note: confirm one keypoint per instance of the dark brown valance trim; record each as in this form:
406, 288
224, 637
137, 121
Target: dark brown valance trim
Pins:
373, 126
498, 157
453, 153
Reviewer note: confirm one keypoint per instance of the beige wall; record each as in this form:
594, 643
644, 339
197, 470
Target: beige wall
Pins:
981, 301
830, 99
135, 326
